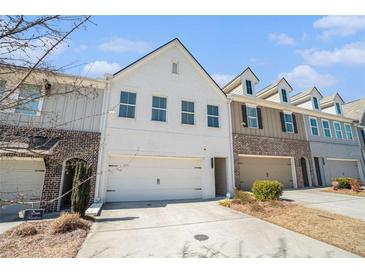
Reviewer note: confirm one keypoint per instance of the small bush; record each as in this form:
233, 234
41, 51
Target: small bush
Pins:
355, 185
343, 183
225, 202
243, 197
267, 190
68, 222
24, 230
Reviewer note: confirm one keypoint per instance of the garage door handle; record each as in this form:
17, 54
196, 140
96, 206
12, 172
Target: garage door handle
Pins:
199, 188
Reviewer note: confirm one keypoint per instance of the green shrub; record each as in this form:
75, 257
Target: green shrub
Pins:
343, 183
267, 190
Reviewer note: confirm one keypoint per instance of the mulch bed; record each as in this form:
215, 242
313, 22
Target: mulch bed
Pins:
361, 193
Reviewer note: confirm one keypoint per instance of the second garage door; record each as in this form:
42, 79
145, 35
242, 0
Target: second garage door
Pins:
153, 178
340, 168
253, 168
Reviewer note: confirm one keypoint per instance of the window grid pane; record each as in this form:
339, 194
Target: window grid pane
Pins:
314, 127
248, 87
187, 112
338, 131
252, 117
213, 116
127, 107
284, 95
288, 119
348, 132
326, 129
29, 97
315, 102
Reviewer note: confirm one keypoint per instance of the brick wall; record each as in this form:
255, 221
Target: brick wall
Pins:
258, 145
72, 144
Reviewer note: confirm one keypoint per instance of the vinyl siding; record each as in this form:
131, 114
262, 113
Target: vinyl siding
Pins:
271, 124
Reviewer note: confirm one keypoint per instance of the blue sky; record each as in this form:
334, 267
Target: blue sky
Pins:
326, 51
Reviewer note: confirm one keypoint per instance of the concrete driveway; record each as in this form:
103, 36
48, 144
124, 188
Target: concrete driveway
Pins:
194, 229
347, 205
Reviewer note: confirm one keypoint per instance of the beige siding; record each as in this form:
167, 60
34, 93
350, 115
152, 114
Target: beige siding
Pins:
270, 121
308, 104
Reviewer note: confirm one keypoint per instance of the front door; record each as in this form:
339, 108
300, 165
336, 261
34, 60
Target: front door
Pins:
318, 171
304, 171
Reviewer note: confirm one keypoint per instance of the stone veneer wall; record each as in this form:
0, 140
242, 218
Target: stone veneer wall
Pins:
72, 144
258, 145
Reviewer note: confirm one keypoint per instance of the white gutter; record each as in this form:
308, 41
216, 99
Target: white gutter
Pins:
233, 181
287, 107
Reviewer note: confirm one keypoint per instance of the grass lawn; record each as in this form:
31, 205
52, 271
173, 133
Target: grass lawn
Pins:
60, 238
361, 193
344, 232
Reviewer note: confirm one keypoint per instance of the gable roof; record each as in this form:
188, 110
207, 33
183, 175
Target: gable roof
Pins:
355, 109
236, 80
175, 41
330, 99
271, 86
303, 94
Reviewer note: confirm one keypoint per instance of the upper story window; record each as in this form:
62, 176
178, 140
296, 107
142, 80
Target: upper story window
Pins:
284, 95
249, 87
348, 132
187, 112
29, 100
251, 116
175, 68
159, 105
338, 130
315, 103
326, 128
314, 126
213, 116
127, 106
338, 108
288, 120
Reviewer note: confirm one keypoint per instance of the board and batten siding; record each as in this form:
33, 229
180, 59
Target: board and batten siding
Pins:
270, 121
70, 111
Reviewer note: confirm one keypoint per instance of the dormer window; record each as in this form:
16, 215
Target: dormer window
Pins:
284, 95
338, 108
249, 87
315, 103
175, 68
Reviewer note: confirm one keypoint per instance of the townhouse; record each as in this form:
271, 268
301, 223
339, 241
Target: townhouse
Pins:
269, 140
333, 139
48, 123
167, 132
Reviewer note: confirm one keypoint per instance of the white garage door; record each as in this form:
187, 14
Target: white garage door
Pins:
147, 178
23, 176
343, 169
253, 168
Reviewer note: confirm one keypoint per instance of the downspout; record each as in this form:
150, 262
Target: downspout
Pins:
229, 101
103, 126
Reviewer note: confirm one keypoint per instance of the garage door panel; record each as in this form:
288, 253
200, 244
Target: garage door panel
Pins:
339, 168
256, 168
159, 178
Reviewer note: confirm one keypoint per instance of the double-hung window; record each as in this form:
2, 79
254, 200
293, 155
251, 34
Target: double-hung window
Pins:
338, 130
187, 112
249, 87
326, 128
288, 120
314, 126
159, 105
213, 116
284, 95
315, 103
338, 108
348, 132
252, 116
127, 106
29, 100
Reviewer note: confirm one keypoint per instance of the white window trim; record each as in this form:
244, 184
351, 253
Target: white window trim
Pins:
352, 134
215, 116
292, 122
181, 112
329, 128
40, 104
334, 128
152, 108
314, 106
177, 67
339, 107
281, 95
135, 106
310, 126
253, 93
257, 118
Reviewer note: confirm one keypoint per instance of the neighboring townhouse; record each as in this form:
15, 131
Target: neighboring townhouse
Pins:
54, 121
356, 110
332, 137
167, 131
269, 140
